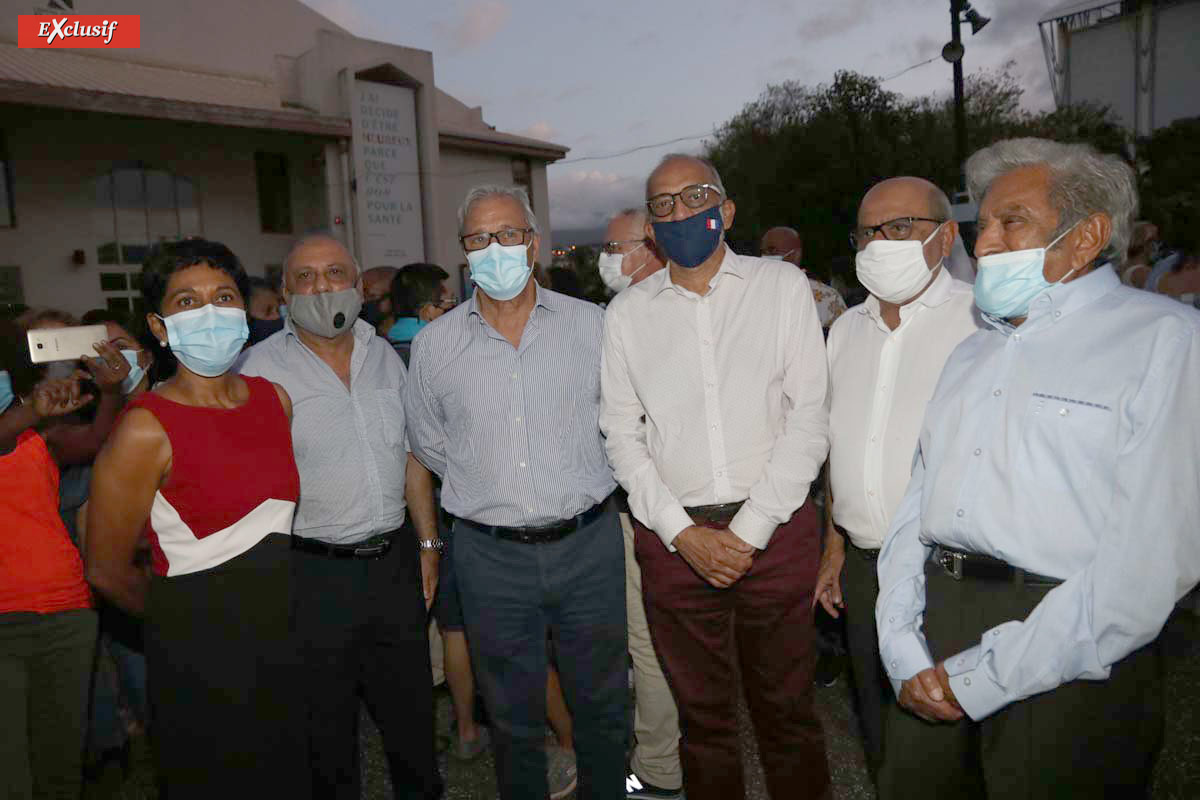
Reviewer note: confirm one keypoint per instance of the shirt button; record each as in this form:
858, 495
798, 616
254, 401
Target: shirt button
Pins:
518, 419
529, 509
995, 633
960, 662
514, 376
996, 393
1016, 337
1062, 412
978, 451
870, 493
959, 513
891, 619
720, 474
522, 465
872, 438
893, 664
966, 681
1057, 314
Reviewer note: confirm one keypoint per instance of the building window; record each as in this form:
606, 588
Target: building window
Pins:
274, 192
136, 207
8, 217
523, 176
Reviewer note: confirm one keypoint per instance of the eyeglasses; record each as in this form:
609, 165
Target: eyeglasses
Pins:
614, 247
506, 237
894, 230
661, 205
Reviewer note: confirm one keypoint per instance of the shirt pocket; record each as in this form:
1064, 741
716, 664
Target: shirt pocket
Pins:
391, 417
1063, 443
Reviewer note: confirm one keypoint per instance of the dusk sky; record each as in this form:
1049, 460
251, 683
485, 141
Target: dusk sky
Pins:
604, 77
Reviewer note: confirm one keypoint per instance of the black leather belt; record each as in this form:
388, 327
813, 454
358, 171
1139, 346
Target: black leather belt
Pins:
375, 547
866, 553
720, 514
541, 534
960, 564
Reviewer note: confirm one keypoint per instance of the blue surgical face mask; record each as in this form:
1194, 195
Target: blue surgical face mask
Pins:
500, 271
688, 242
283, 310
1006, 283
6, 390
207, 340
136, 371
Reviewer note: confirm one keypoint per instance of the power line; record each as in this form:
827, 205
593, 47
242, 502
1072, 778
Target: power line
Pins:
634, 149
910, 69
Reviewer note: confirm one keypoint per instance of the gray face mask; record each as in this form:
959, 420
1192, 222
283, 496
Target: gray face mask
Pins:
329, 314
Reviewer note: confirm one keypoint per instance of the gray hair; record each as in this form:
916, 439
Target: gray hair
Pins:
1083, 181
320, 235
716, 176
496, 190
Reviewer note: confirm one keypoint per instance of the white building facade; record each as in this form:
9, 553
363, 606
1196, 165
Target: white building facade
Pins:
250, 134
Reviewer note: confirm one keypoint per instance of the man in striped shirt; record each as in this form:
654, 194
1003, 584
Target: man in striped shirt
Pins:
503, 402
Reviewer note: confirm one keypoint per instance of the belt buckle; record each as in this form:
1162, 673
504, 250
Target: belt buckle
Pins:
373, 550
952, 562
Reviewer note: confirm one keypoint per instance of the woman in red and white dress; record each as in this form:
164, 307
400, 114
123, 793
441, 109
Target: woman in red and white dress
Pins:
203, 465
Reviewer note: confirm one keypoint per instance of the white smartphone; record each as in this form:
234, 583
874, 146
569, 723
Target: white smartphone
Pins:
65, 344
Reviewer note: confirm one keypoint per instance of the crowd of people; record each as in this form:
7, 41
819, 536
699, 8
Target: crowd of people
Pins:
250, 505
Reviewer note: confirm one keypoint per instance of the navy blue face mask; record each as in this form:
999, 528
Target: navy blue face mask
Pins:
688, 242
262, 328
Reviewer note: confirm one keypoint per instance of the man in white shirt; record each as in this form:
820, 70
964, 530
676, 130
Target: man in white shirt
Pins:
884, 360
713, 390
1054, 483
784, 244
628, 258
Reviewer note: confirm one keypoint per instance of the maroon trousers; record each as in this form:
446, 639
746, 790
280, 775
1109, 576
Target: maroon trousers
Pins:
769, 614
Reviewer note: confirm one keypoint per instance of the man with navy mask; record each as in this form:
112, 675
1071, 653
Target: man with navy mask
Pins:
503, 402
363, 580
714, 407
1039, 550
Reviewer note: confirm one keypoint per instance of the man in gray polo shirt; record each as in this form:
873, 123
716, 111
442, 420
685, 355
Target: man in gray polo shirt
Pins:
362, 590
503, 401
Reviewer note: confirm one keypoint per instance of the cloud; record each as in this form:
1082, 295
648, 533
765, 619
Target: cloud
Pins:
539, 130
583, 198
841, 18
480, 22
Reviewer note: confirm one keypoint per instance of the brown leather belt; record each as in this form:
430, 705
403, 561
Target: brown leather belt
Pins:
960, 564
720, 514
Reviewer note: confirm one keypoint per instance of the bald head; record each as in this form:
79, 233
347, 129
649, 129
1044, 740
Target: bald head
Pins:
784, 242
694, 168
318, 263
917, 196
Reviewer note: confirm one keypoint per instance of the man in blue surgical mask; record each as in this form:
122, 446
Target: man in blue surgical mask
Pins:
1038, 549
364, 544
503, 403
714, 408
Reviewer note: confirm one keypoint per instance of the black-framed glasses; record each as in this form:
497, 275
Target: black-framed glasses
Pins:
614, 247
894, 230
507, 237
694, 196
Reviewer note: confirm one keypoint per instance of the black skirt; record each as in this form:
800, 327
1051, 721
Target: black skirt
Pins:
226, 712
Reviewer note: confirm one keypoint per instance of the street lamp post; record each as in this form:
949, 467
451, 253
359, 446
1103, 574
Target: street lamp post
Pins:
953, 52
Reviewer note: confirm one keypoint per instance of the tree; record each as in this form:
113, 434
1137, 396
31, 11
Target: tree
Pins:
803, 156
1170, 182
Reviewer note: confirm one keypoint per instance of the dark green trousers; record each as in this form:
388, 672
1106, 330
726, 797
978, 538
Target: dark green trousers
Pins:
1085, 739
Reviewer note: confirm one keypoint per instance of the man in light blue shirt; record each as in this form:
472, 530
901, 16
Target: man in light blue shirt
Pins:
1051, 521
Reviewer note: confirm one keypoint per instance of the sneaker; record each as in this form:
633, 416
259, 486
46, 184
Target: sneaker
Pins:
829, 669
637, 789
561, 773
469, 751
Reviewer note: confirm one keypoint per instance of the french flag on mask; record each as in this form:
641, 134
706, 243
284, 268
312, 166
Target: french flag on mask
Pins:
710, 224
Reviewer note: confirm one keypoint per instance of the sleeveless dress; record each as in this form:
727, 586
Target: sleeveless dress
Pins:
220, 652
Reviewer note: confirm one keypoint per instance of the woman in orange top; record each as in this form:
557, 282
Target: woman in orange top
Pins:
47, 626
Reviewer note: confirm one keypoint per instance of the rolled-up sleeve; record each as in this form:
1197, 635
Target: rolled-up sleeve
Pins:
623, 422
426, 427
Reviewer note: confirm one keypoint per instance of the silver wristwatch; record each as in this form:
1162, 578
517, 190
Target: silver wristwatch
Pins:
437, 545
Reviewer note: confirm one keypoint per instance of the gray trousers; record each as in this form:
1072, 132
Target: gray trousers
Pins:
45, 669
1085, 739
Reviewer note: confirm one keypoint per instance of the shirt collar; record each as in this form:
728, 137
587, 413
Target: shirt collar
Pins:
543, 298
1063, 299
934, 296
731, 264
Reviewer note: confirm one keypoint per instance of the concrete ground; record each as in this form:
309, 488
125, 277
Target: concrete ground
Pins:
1177, 776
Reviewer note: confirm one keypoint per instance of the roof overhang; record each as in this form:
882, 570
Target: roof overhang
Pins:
178, 110
496, 142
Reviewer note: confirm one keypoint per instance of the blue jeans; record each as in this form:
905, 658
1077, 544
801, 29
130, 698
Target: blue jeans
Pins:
512, 594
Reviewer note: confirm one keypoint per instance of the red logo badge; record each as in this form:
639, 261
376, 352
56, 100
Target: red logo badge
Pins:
80, 30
